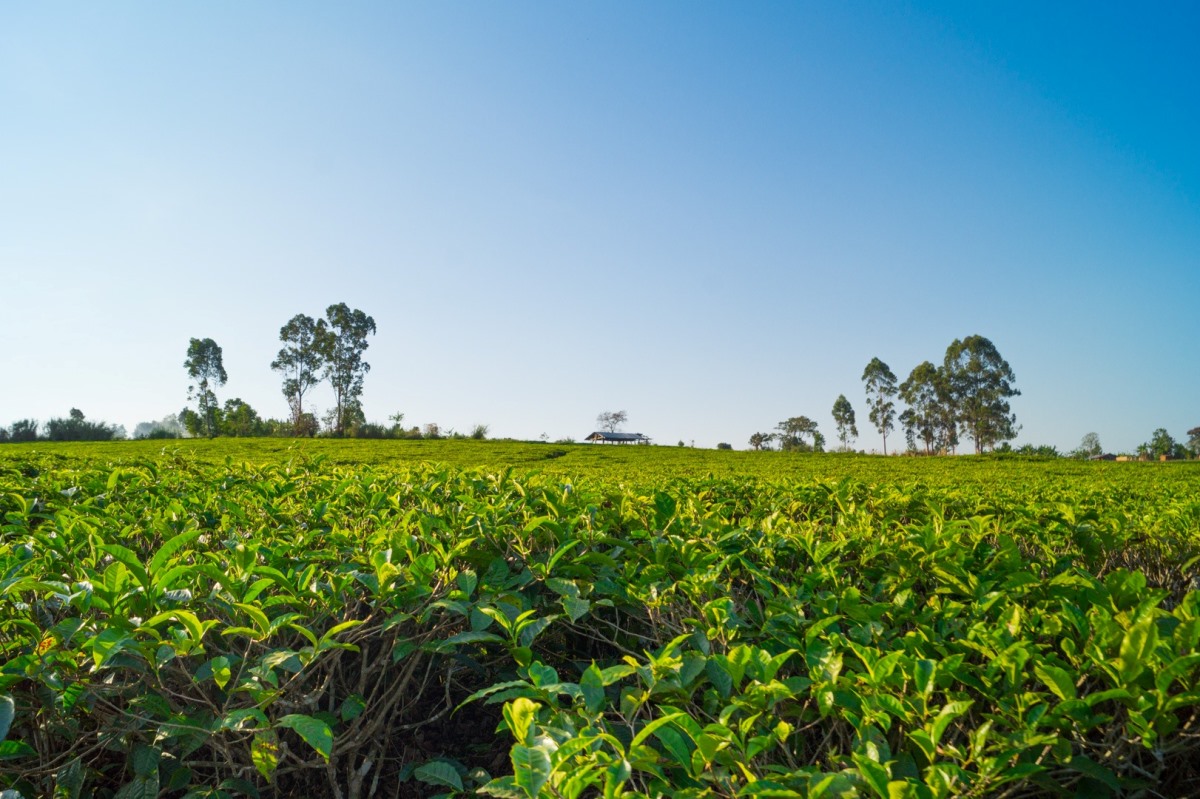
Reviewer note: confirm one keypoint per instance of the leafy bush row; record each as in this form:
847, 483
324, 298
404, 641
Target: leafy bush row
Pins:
175, 628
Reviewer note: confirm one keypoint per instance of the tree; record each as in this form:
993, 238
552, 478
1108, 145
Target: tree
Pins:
1161, 443
23, 430
921, 419
880, 384
843, 419
792, 432
341, 353
1193, 443
1089, 445
300, 360
981, 383
240, 420
205, 367
761, 440
611, 421
77, 428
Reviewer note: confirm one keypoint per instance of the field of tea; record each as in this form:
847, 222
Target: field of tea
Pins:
411, 618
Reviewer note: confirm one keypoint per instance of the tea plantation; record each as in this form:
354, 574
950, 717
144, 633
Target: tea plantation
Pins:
394, 618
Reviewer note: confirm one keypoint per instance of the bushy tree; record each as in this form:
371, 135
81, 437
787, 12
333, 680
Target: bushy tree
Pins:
77, 428
793, 431
1161, 443
341, 352
1038, 450
880, 386
761, 440
1193, 443
206, 369
929, 417
23, 430
238, 419
193, 422
981, 383
843, 420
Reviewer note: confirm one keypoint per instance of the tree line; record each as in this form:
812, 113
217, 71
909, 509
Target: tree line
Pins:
314, 351
966, 395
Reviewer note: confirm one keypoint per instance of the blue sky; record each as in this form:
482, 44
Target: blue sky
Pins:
709, 215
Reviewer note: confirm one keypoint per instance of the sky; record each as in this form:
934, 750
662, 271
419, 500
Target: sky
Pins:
709, 215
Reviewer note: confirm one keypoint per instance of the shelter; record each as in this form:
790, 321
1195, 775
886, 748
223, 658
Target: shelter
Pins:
604, 437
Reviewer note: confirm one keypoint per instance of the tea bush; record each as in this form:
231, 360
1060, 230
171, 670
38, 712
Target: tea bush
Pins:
332, 621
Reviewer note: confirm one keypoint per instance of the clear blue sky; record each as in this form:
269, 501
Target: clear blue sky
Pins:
710, 215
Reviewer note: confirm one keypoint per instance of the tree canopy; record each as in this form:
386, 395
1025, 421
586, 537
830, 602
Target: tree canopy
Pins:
980, 384
793, 431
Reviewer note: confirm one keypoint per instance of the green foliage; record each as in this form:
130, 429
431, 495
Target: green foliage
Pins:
284, 618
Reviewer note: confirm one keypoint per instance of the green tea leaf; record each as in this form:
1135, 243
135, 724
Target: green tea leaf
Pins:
520, 714
352, 707
15, 749
315, 732
264, 753
1136, 648
439, 772
592, 686
1058, 680
531, 768
221, 673
68, 782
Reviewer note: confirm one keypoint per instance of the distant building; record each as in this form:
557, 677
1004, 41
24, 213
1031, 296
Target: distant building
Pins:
1105, 457
602, 437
